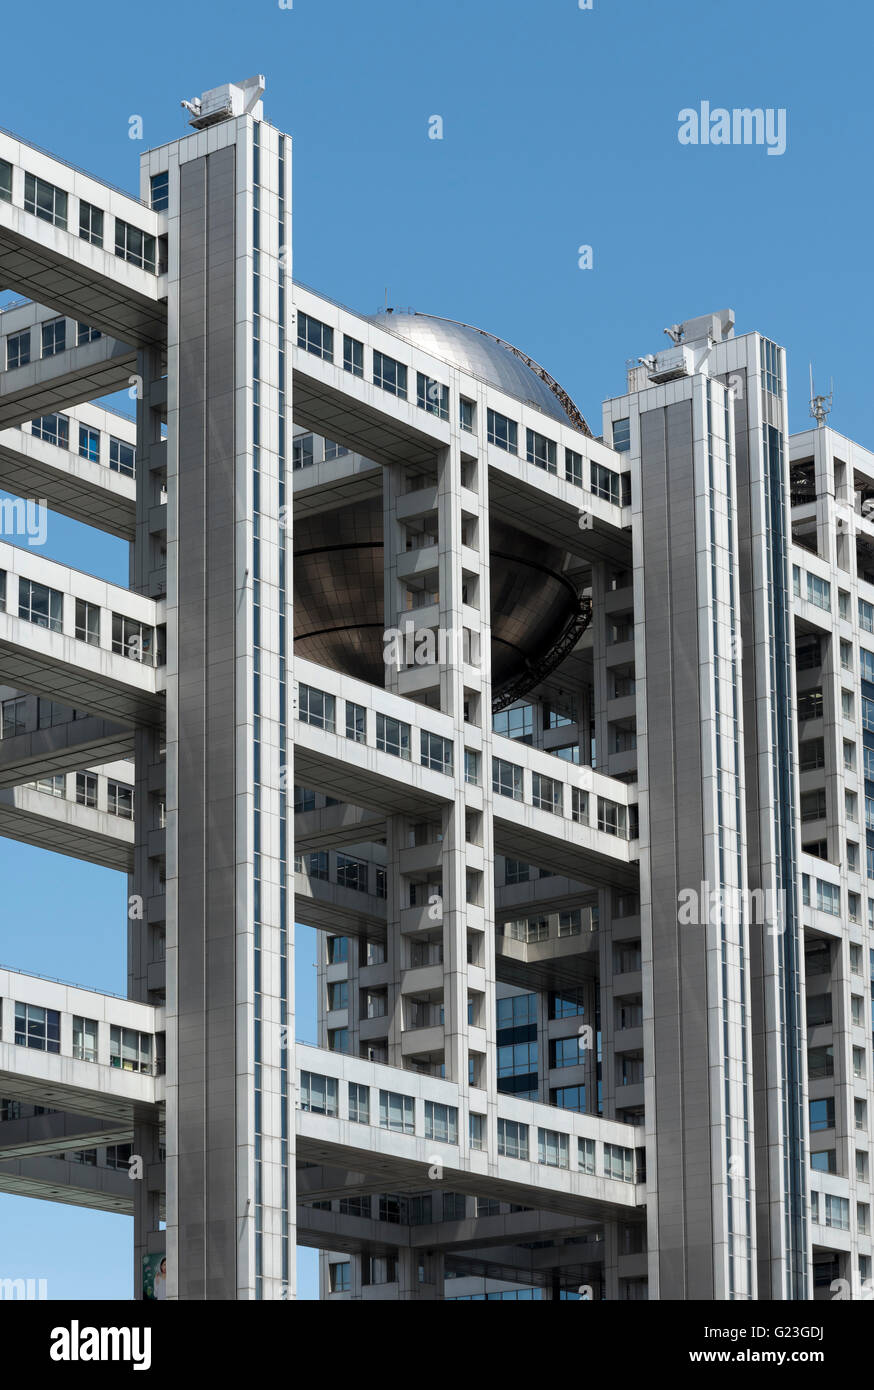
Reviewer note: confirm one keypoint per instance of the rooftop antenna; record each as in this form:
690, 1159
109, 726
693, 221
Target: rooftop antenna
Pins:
820, 406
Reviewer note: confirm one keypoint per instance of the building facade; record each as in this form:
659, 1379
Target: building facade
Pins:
560, 743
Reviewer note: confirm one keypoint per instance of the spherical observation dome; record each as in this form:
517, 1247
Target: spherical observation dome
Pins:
486, 357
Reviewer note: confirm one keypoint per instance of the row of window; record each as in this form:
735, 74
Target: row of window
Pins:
40, 1029
119, 795
55, 429
397, 1112
318, 708
433, 396
51, 204
44, 607
53, 340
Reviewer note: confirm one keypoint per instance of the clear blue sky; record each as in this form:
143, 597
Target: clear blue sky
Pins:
560, 129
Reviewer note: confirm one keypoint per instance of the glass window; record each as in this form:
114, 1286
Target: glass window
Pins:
432, 396
159, 189
553, 1148
605, 483
54, 429
316, 707
397, 1112
390, 375
134, 246
37, 1028
130, 1050
546, 793
84, 1039
338, 949
120, 800
340, 1277
393, 736
476, 1125
87, 623
89, 444
45, 201
5, 181
506, 779
13, 717
502, 432
54, 337
356, 722
618, 1162
621, 435
822, 1114
122, 457
436, 752
90, 223
466, 414
353, 356
569, 1098
441, 1122
17, 350
318, 1094
315, 337
338, 995
586, 1155
513, 1139
569, 1052
541, 451
86, 789
359, 1103
573, 467
131, 638
40, 605
352, 873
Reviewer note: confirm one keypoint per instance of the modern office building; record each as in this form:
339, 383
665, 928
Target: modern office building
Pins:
561, 743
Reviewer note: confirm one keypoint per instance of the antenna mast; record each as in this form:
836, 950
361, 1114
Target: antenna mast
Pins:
820, 406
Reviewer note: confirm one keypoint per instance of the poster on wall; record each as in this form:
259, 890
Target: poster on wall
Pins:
155, 1276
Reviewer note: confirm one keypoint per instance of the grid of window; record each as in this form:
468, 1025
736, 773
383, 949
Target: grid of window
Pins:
390, 375
131, 638
352, 873
315, 337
